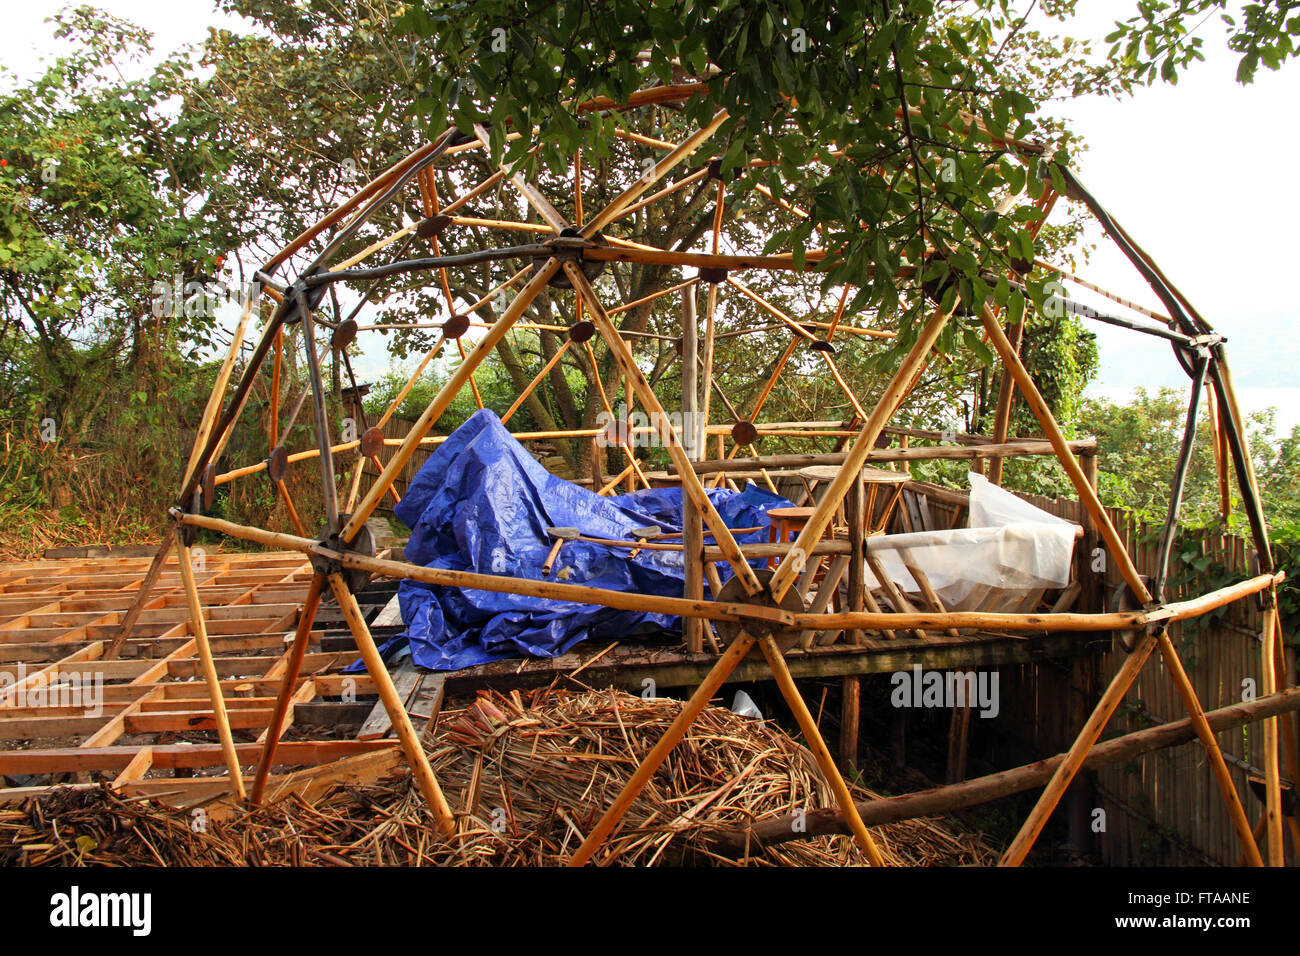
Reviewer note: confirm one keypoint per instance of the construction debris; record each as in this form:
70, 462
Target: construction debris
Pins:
526, 783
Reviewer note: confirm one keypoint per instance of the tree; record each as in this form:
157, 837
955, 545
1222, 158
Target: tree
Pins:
815, 90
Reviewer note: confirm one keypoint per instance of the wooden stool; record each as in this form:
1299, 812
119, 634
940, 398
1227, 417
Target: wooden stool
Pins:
784, 524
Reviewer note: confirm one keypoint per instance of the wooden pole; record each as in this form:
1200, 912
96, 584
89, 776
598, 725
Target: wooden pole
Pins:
213, 407
1092, 730
617, 209
850, 714
690, 482
855, 509
792, 564
141, 598
392, 701
528, 390
716, 677
706, 387
692, 521
813, 737
200, 629
979, 790
293, 667
446, 394
1272, 768
731, 611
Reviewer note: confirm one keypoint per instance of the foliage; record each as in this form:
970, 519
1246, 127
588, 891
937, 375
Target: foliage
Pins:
813, 90
1161, 36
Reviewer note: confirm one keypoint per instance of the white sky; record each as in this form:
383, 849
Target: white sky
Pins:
1201, 174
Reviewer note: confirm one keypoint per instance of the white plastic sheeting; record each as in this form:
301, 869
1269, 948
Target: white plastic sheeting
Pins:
1010, 549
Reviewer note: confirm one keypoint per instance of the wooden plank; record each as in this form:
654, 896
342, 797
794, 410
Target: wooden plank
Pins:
390, 614
136, 769
406, 680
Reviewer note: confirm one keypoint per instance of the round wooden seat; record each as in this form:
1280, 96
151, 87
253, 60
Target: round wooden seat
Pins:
884, 476
784, 524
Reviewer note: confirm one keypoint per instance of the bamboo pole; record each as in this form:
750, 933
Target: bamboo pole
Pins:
1272, 768
792, 564
478, 399
716, 677
749, 293
528, 389
816, 744
200, 629
1088, 497
1032, 826
692, 523
410, 740
1219, 442
293, 667
617, 209
697, 260
980, 790
396, 403
627, 306
690, 483
213, 408
1218, 766
706, 387
288, 505
378, 184
667, 191
739, 612
1022, 447
277, 372
445, 395
141, 597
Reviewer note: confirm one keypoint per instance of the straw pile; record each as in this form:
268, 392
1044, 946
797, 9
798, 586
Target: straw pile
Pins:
526, 784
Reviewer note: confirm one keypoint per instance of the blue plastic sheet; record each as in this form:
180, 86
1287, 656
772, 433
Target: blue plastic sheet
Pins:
483, 503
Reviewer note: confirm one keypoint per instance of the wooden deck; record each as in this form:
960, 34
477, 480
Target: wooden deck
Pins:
151, 730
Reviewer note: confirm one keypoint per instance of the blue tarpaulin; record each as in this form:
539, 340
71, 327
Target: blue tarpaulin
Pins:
483, 503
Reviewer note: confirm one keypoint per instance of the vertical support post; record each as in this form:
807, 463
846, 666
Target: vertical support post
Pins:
392, 701
200, 628
856, 519
1272, 753
958, 741
692, 436
850, 717
706, 387
597, 464
692, 520
326, 458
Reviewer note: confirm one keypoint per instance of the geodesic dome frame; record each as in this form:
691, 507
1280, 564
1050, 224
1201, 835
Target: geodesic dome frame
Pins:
758, 611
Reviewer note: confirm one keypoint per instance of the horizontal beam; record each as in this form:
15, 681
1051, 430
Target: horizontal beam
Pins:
738, 612
969, 793
1011, 449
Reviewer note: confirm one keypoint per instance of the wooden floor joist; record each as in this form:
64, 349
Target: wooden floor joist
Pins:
56, 687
